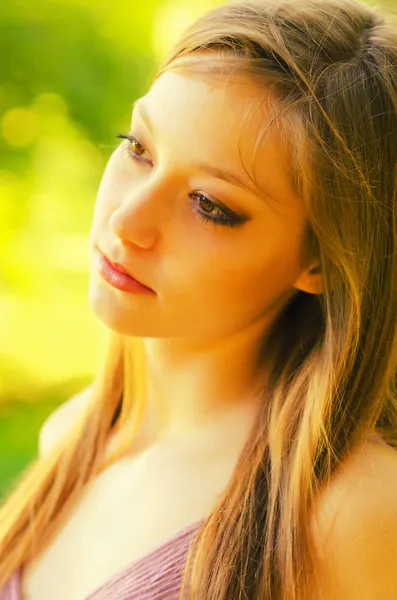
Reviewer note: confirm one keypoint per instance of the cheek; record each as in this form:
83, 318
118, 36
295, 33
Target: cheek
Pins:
206, 279
244, 281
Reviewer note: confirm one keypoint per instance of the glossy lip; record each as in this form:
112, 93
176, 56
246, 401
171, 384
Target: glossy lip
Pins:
119, 267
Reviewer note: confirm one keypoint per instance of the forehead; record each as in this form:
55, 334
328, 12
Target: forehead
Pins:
220, 122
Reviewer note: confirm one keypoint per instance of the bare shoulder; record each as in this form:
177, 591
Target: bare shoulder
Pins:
63, 417
355, 529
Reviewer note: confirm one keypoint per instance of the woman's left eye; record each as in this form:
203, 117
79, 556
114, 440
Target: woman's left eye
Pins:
225, 218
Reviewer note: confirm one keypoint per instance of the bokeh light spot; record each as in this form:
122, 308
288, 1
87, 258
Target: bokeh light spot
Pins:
20, 127
170, 21
50, 102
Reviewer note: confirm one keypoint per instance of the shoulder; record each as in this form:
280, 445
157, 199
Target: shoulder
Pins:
59, 421
355, 529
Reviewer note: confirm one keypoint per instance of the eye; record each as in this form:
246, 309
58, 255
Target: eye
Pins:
226, 217
135, 148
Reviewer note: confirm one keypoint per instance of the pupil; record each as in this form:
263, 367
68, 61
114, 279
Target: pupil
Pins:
208, 202
135, 145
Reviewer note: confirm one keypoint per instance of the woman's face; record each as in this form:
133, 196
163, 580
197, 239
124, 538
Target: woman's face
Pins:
218, 255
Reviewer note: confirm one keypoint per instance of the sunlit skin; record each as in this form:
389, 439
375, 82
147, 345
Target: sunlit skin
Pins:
217, 288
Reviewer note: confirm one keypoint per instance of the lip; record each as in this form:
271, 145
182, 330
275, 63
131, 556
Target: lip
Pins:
121, 269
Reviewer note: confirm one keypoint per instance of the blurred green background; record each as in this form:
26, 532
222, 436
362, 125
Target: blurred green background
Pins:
70, 71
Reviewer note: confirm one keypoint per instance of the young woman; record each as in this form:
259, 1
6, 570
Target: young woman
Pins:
239, 438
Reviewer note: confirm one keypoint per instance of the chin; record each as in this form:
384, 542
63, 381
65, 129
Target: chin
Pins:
115, 315
105, 307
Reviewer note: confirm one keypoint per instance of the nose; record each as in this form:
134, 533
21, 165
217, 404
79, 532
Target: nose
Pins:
142, 212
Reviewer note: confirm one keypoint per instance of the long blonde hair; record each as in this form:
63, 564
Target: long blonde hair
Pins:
333, 68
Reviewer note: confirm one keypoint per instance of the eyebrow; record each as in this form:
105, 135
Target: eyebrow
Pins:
202, 166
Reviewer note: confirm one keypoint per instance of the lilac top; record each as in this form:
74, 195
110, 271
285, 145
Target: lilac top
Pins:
158, 574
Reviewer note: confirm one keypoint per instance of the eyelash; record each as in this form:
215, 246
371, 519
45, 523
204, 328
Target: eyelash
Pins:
219, 221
